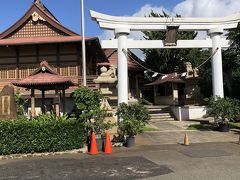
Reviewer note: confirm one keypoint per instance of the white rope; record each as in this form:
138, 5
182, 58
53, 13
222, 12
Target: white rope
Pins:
126, 53
208, 58
150, 70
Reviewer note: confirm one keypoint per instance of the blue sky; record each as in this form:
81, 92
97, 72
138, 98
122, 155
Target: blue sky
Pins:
68, 11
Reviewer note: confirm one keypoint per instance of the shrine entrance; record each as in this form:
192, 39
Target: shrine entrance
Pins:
122, 26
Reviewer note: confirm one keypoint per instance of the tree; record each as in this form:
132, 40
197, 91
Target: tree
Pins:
89, 112
231, 64
169, 60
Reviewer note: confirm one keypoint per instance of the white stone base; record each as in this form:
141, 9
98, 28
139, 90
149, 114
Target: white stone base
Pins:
189, 112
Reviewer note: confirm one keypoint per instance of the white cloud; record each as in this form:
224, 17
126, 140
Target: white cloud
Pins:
207, 8
107, 34
147, 8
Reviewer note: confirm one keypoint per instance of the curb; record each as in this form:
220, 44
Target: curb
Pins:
21, 156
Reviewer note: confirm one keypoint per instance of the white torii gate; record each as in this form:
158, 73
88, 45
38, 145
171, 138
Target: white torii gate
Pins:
123, 25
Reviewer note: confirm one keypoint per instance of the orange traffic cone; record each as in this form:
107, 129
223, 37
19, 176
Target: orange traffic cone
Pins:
108, 145
93, 148
186, 141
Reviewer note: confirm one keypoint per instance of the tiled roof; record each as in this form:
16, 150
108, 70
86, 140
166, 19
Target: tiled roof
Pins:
173, 77
133, 61
42, 40
44, 76
42, 79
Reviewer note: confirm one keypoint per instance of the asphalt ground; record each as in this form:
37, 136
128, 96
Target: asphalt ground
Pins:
198, 161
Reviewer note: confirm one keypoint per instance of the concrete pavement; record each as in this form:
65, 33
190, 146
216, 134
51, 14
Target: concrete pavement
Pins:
208, 161
173, 132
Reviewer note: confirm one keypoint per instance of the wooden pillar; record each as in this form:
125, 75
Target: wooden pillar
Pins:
43, 102
37, 54
58, 58
64, 101
57, 107
175, 93
32, 103
155, 93
17, 62
137, 87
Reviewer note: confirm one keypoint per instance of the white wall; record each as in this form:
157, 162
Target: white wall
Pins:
191, 112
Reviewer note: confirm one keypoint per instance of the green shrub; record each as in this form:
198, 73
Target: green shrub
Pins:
87, 102
24, 136
133, 118
21, 104
51, 117
224, 109
99, 122
88, 107
144, 101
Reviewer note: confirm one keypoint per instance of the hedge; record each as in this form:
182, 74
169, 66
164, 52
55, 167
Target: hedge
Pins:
25, 136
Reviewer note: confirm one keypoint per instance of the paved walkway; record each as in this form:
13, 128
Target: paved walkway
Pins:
173, 132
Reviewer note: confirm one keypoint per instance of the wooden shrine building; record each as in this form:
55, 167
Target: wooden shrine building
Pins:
45, 78
39, 35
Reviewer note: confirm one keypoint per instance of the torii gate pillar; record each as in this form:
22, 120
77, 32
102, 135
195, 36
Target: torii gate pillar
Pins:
217, 73
121, 34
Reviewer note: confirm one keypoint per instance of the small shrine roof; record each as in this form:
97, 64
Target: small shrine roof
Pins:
45, 77
134, 63
173, 78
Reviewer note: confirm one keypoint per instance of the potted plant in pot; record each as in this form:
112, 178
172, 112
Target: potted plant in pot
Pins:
100, 125
133, 118
224, 110
89, 111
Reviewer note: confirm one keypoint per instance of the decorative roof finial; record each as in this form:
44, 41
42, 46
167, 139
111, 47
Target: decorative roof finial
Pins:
37, 1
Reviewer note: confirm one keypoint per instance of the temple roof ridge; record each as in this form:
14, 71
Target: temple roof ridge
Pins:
44, 67
43, 13
45, 9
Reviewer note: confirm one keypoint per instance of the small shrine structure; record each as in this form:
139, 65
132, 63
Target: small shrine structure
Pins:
45, 78
178, 88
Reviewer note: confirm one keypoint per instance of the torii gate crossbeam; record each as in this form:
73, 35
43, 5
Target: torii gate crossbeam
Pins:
123, 25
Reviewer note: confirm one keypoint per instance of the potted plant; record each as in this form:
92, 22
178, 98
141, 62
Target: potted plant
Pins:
100, 125
88, 110
133, 118
224, 110
87, 103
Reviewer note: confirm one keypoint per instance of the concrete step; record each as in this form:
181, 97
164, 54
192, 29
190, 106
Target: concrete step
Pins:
159, 120
160, 114
155, 106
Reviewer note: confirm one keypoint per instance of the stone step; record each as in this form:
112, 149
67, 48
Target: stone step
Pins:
157, 120
163, 119
163, 116
157, 107
160, 114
